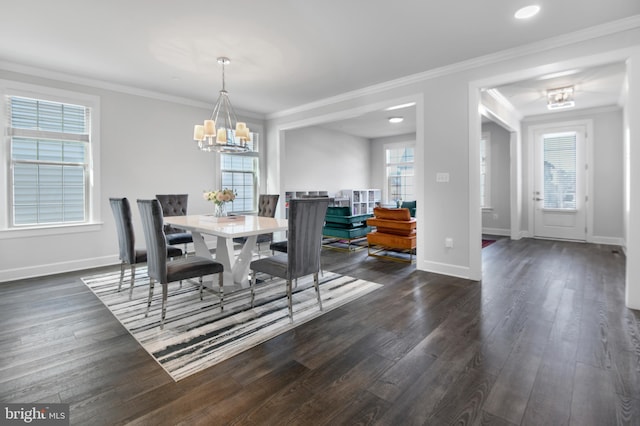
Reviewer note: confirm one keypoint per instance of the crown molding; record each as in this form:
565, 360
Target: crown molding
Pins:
121, 88
571, 113
590, 33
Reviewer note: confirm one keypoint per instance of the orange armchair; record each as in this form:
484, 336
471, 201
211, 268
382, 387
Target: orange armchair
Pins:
395, 229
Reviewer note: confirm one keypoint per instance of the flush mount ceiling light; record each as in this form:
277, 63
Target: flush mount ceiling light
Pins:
231, 135
396, 120
527, 12
560, 98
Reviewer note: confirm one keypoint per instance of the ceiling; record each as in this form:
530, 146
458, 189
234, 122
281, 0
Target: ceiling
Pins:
284, 53
593, 87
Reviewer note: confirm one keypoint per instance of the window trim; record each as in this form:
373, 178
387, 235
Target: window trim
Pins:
93, 222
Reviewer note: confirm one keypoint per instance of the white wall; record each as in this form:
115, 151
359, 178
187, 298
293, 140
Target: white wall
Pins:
632, 180
497, 220
146, 148
606, 196
449, 128
320, 159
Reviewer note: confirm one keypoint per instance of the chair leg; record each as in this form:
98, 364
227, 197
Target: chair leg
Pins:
252, 285
317, 286
289, 300
121, 275
165, 290
133, 280
150, 296
221, 285
201, 287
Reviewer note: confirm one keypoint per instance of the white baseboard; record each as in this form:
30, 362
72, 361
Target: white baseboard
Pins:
612, 241
497, 231
445, 269
56, 268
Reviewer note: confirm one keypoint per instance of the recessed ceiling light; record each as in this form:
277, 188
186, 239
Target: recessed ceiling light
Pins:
527, 12
407, 105
396, 120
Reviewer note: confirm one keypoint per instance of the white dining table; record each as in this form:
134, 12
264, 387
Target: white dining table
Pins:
236, 268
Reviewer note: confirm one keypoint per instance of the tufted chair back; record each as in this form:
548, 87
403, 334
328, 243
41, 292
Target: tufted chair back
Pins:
267, 204
173, 205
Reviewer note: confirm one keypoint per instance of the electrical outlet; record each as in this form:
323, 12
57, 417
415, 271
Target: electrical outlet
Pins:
442, 177
448, 242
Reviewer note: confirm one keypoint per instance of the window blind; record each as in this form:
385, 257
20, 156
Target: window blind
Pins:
49, 161
239, 172
560, 167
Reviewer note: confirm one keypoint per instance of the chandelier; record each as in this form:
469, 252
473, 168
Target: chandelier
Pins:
222, 132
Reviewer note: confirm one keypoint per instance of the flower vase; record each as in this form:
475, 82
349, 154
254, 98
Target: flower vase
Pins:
220, 210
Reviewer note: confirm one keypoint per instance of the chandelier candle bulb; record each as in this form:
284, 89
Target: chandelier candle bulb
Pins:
222, 136
198, 132
209, 127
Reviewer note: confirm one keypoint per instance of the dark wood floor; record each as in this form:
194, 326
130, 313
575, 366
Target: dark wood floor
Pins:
544, 339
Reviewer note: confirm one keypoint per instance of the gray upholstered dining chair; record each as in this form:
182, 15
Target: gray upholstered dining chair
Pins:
175, 205
129, 255
306, 217
165, 271
267, 204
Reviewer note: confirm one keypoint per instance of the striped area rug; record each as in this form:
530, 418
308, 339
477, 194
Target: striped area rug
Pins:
196, 334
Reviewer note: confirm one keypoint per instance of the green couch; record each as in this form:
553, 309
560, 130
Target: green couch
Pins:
411, 205
341, 224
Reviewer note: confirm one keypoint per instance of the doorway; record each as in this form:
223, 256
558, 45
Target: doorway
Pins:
560, 194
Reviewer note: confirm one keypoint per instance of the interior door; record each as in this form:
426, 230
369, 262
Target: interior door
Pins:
560, 184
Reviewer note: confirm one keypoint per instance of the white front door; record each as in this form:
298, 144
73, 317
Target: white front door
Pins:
559, 194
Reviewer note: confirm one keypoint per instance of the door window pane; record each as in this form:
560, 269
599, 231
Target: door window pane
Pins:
560, 171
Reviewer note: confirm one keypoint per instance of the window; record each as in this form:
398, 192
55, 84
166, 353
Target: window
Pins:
559, 154
239, 172
400, 172
49, 158
485, 171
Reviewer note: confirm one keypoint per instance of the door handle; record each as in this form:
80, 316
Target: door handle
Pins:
538, 199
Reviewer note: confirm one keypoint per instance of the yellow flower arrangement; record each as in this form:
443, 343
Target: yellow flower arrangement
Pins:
220, 197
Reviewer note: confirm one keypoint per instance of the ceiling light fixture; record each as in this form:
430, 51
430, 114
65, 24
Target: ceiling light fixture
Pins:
560, 98
527, 12
401, 106
231, 135
396, 120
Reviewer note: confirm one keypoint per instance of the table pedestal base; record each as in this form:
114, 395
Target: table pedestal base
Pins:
236, 269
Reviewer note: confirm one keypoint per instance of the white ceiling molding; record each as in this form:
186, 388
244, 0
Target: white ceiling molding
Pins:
571, 112
513, 53
105, 85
